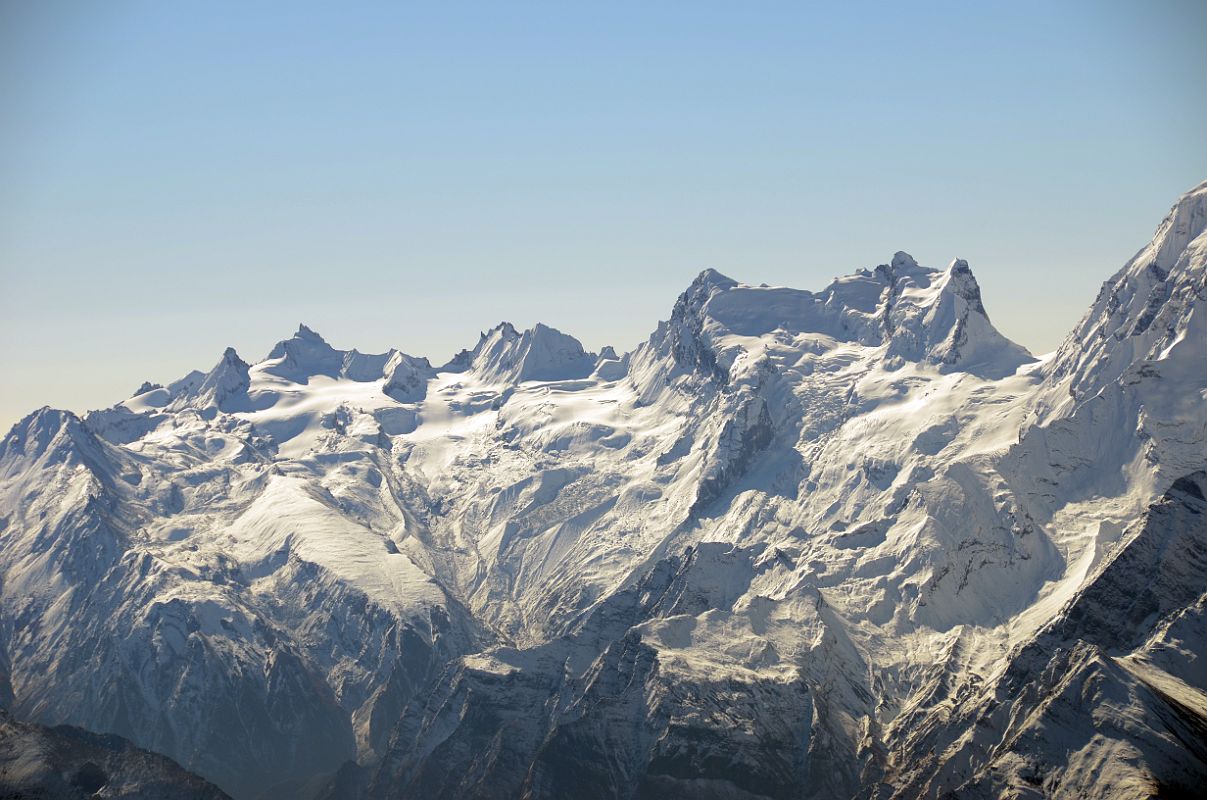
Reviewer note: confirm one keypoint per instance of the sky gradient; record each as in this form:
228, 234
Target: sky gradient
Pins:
179, 177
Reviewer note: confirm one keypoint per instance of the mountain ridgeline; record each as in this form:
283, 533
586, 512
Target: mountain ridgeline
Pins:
851, 543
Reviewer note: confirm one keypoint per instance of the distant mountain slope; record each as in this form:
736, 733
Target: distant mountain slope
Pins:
65, 763
845, 543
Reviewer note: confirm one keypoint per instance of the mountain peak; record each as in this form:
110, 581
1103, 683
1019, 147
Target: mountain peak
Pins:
901, 265
224, 387
539, 353
306, 332
1146, 313
406, 377
683, 338
927, 315
903, 260
799, 543
710, 277
918, 313
47, 430
304, 355
43, 423
961, 280
1185, 223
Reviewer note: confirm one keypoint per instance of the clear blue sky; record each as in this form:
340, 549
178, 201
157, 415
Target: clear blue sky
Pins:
179, 177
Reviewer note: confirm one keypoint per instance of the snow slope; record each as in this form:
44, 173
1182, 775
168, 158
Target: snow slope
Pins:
797, 544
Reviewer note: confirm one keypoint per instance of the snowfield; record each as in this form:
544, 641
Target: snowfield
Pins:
846, 543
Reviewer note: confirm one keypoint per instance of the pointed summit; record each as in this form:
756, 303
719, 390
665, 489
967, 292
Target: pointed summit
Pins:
223, 388
711, 278
960, 281
305, 335
916, 313
307, 354
465, 359
49, 437
938, 317
303, 356
1185, 223
407, 377
683, 338
1150, 311
903, 265
548, 354
306, 332
1131, 377
39, 431
540, 353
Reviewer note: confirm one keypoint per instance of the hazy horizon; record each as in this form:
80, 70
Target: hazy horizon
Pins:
181, 179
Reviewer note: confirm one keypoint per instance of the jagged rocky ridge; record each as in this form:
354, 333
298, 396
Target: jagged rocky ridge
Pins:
847, 543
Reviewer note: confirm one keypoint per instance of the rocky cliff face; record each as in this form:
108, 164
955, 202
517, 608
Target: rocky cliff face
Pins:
1105, 699
846, 543
1128, 381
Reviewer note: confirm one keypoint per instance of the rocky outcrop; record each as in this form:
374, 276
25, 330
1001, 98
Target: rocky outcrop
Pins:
65, 763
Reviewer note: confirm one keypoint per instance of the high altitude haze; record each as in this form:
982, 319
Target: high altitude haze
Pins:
176, 178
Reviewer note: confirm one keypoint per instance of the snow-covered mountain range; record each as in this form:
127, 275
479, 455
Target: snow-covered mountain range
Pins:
835, 544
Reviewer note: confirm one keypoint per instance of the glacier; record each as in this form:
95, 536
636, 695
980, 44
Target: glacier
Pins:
847, 543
